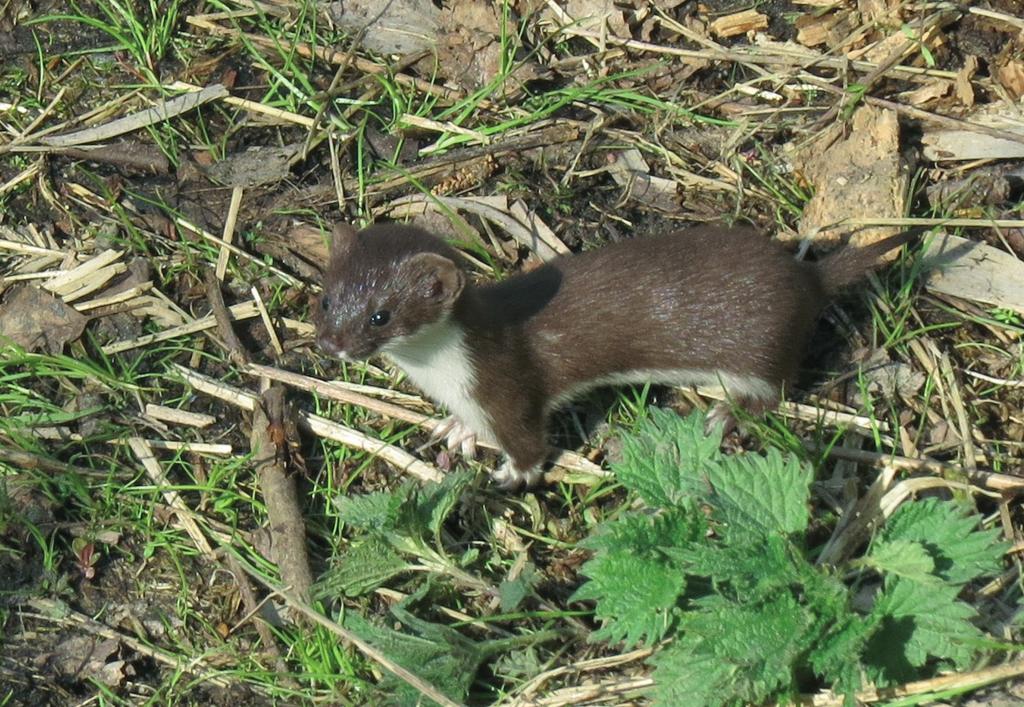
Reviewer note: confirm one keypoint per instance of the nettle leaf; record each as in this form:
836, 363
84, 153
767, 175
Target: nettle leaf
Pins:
636, 586
666, 461
960, 551
756, 647
365, 566
767, 492
435, 501
511, 592
636, 597
648, 531
918, 622
903, 558
379, 511
410, 509
747, 611
450, 665
753, 567
837, 654
683, 676
436, 652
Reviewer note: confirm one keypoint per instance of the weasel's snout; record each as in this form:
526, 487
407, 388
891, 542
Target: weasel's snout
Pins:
330, 345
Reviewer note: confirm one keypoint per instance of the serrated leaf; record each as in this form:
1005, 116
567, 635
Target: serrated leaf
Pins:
961, 552
435, 501
636, 596
903, 558
918, 622
768, 492
644, 532
665, 461
365, 566
379, 511
754, 568
837, 655
683, 677
759, 644
511, 592
451, 668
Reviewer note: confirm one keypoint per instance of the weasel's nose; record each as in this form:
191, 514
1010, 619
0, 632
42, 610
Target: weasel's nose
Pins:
330, 345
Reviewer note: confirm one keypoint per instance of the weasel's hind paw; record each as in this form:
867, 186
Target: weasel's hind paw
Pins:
724, 413
720, 414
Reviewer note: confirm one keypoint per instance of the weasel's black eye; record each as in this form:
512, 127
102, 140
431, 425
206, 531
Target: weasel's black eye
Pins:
380, 318
325, 303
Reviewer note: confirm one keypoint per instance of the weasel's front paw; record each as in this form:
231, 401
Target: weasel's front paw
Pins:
457, 437
508, 478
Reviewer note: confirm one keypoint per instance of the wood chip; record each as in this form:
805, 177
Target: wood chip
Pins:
861, 174
244, 310
91, 275
832, 29
267, 324
962, 85
975, 271
165, 110
813, 30
228, 235
739, 23
1011, 76
943, 143
123, 296
929, 91
631, 171
220, 450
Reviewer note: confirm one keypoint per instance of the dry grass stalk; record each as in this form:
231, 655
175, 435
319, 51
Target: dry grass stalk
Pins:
320, 426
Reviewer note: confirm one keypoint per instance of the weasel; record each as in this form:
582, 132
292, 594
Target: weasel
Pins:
704, 306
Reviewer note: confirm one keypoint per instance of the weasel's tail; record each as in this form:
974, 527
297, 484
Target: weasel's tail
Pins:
849, 265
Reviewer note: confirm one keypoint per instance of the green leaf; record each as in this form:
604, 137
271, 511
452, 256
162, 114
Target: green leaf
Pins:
960, 551
438, 653
636, 585
433, 502
837, 655
511, 592
368, 563
411, 508
666, 461
685, 677
379, 511
645, 532
753, 567
718, 563
919, 622
767, 492
903, 558
747, 653
448, 665
637, 597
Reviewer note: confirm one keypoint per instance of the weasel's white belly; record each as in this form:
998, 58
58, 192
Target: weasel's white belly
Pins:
735, 385
437, 362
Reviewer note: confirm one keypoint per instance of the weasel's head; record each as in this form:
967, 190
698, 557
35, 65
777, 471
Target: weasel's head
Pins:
384, 285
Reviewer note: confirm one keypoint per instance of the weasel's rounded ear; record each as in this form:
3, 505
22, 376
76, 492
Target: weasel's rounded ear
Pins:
434, 277
343, 238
